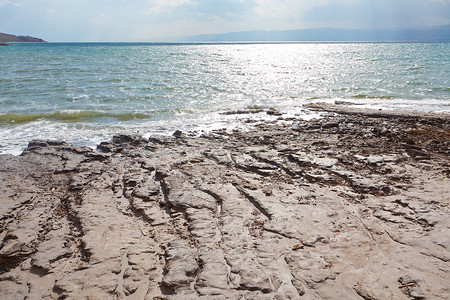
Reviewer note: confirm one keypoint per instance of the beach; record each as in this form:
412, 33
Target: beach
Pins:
351, 205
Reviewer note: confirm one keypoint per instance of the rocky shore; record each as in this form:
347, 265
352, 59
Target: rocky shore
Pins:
350, 206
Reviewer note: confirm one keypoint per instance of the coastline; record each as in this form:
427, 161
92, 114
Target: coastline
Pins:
91, 95
354, 204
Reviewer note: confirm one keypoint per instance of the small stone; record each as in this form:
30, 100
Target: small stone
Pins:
177, 133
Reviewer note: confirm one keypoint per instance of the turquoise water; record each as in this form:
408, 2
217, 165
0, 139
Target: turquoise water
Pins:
85, 93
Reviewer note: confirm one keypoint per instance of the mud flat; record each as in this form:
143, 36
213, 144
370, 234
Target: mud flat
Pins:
349, 206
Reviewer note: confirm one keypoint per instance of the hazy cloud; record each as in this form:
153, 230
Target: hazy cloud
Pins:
445, 2
271, 8
9, 2
161, 6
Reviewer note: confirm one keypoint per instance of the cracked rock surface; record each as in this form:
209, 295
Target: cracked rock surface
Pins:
344, 207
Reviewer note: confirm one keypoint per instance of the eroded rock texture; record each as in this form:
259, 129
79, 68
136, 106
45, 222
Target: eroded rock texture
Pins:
338, 208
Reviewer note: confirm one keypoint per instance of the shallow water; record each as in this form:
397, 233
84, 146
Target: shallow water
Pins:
85, 93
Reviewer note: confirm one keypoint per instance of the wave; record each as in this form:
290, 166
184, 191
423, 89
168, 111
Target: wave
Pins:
441, 89
362, 96
69, 116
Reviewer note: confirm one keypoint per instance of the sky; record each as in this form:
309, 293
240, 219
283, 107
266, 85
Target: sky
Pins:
151, 20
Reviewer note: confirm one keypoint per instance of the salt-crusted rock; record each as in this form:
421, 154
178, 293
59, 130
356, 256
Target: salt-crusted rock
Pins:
335, 208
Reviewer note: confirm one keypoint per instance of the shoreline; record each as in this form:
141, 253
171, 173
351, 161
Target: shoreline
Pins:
354, 204
349, 108
231, 120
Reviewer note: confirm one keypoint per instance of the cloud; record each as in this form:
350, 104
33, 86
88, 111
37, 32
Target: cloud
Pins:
164, 6
380, 14
200, 10
9, 2
275, 8
444, 2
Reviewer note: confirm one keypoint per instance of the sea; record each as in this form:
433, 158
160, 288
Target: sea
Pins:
85, 93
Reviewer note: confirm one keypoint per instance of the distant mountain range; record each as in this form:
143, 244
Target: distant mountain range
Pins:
426, 34
429, 34
10, 38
